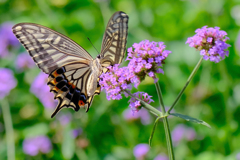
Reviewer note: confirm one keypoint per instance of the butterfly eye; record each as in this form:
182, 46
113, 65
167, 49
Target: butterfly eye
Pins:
99, 56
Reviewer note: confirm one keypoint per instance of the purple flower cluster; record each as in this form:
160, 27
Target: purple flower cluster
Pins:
41, 90
7, 38
141, 150
146, 58
116, 80
7, 82
24, 61
161, 157
32, 146
211, 42
135, 105
181, 131
143, 115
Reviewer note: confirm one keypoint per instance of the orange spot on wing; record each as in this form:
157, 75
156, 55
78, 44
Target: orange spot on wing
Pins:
55, 74
55, 89
54, 82
81, 103
73, 86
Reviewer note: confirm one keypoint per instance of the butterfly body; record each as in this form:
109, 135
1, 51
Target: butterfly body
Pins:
96, 72
73, 73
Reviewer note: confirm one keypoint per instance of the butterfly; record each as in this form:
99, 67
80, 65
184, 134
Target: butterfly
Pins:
73, 73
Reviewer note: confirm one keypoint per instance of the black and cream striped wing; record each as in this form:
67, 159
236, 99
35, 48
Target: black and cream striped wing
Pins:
114, 40
49, 49
69, 85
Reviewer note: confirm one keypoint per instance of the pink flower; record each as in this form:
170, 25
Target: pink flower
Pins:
135, 105
117, 80
141, 150
211, 42
146, 58
7, 82
24, 61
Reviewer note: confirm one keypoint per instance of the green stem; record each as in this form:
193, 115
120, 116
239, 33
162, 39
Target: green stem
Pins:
165, 124
188, 81
9, 129
146, 105
153, 130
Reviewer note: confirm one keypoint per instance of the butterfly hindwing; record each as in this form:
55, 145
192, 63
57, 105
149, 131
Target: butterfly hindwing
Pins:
114, 39
48, 48
68, 84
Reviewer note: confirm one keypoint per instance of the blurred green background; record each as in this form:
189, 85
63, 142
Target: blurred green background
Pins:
104, 132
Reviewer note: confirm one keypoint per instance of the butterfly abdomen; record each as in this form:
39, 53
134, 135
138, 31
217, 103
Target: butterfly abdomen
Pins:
92, 83
67, 93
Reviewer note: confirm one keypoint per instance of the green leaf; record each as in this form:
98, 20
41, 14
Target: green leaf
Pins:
153, 130
191, 119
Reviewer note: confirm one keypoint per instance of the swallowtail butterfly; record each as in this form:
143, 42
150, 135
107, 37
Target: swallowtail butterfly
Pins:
73, 73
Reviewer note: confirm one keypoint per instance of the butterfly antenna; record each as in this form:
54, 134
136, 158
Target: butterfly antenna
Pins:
92, 45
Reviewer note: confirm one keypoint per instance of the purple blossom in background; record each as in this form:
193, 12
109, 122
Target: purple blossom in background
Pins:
7, 38
3, 49
117, 80
32, 146
64, 119
238, 156
237, 43
135, 105
180, 132
23, 61
41, 90
146, 58
142, 114
76, 132
129, 116
211, 42
7, 82
190, 134
141, 150
161, 157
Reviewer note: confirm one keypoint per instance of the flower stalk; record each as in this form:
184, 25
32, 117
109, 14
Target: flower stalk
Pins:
165, 124
9, 129
153, 130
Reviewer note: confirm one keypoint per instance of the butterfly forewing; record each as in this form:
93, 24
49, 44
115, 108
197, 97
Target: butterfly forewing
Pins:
115, 39
72, 77
48, 48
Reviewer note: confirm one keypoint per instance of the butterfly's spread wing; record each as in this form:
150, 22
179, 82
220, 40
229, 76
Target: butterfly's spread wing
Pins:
114, 39
49, 49
69, 85
67, 63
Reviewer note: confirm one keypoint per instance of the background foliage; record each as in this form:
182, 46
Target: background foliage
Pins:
212, 96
